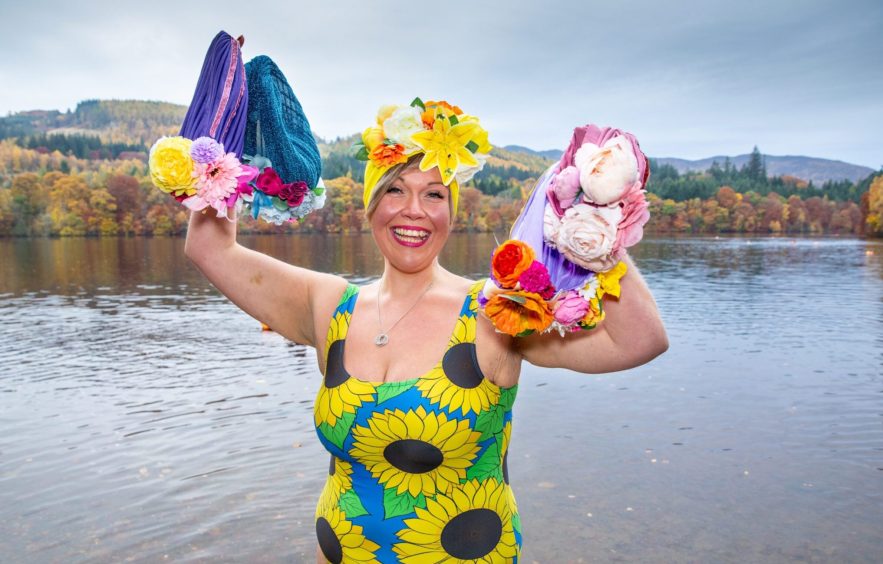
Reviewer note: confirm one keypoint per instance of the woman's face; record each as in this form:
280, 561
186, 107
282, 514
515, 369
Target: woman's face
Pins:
412, 220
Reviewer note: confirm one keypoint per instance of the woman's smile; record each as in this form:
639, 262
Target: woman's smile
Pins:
410, 235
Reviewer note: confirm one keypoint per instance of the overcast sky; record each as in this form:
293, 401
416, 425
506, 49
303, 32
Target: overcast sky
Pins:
690, 79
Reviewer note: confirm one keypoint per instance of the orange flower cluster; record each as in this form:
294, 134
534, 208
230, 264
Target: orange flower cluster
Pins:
385, 155
516, 312
432, 108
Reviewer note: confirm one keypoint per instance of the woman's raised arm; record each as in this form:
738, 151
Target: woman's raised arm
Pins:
295, 302
630, 335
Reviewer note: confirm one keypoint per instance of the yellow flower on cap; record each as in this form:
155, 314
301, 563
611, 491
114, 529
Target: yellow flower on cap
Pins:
445, 147
448, 138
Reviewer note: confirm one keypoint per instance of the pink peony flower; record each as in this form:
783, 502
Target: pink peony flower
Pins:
243, 186
634, 215
535, 278
563, 189
570, 308
587, 234
269, 182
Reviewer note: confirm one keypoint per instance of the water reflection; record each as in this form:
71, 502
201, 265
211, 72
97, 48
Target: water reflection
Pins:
146, 418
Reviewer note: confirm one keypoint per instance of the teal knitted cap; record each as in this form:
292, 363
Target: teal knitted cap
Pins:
277, 127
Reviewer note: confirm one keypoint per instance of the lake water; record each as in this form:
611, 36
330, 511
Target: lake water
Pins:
144, 418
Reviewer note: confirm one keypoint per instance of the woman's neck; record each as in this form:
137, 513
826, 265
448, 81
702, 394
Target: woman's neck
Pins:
401, 284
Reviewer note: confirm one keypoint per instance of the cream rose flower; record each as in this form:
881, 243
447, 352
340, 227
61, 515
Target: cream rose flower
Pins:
587, 234
465, 173
606, 172
551, 225
401, 124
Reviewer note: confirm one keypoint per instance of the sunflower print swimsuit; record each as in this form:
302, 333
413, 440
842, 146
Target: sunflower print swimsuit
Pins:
418, 468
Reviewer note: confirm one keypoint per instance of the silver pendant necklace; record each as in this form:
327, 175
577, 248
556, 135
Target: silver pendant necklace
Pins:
382, 338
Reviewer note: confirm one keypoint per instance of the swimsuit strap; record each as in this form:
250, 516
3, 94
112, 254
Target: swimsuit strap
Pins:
340, 319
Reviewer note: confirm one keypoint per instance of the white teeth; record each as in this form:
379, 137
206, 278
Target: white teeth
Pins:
411, 233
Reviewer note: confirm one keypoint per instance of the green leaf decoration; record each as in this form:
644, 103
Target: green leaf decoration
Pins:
418, 103
280, 204
337, 435
472, 146
490, 421
488, 465
516, 299
516, 523
525, 333
361, 151
352, 505
318, 190
453, 119
395, 504
386, 392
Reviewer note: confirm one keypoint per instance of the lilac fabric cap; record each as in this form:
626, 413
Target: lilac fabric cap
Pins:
219, 106
529, 228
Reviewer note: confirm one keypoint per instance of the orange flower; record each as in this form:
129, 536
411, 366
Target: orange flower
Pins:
510, 259
432, 107
517, 313
385, 156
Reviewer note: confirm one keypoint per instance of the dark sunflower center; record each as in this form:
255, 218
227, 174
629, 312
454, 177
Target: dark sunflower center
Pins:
413, 456
459, 366
472, 534
328, 541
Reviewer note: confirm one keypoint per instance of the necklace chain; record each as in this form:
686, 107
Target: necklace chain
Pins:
382, 338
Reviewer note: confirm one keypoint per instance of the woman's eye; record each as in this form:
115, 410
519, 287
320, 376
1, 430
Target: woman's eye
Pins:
437, 195
393, 190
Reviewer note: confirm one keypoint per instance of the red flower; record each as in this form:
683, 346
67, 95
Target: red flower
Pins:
294, 193
269, 182
510, 259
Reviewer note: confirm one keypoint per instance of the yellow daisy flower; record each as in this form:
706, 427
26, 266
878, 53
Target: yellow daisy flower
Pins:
471, 524
343, 541
454, 383
445, 147
415, 452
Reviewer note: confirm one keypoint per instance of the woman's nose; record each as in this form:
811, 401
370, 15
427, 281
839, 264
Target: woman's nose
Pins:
414, 207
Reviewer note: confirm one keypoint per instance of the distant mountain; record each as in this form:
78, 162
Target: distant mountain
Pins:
551, 154
806, 168
139, 122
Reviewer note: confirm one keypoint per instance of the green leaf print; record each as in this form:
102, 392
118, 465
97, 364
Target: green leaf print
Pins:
488, 465
507, 397
337, 434
490, 421
391, 390
516, 523
395, 504
348, 293
352, 505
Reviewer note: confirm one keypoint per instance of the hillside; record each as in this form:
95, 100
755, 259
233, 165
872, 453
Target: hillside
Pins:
812, 169
134, 124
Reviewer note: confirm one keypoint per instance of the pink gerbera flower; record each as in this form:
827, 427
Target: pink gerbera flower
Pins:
215, 182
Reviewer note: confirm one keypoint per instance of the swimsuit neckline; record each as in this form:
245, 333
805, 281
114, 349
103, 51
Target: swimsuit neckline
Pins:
437, 365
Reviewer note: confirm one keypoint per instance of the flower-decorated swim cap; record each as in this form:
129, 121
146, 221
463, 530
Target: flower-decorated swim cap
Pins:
245, 142
565, 252
450, 140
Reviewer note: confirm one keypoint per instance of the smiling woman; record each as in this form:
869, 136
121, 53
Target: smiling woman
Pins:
415, 406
